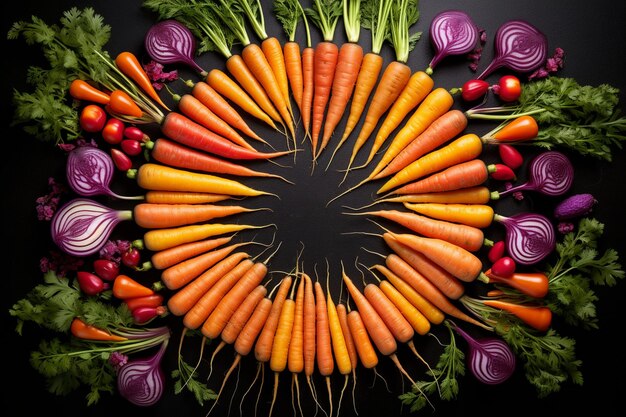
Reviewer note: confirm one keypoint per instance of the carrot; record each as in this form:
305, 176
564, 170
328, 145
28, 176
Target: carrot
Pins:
280, 345
175, 155
476, 215
157, 216
308, 76
534, 284
82, 90
459, 262
180, 274
443, 129
325, 16
124, 287
273, 51
466, 237
442, 279
342, 315
362, 341
309, 331
295, 356
463, 175
293, 67
159, 239
201, 114
391, 315
246, 338
263, 345
521, 128
187, 132
172, 256
85, 331
463, 149
469, 195
224, 310
176, 197
323, 341
414, 92
228, 88
347, 68
123, 106
201, 310
375, 19
185, 298
537, 317
128, 64
418, 321
152, 176
425, 288
215, 102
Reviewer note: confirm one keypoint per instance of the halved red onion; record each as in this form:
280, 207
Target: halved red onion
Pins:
171, 42
519, 46
89, 172
82, 226
490, 359
550, 173
530, 237
452, 32
141, 381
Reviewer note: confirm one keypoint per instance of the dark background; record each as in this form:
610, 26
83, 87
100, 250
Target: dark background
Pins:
591, 35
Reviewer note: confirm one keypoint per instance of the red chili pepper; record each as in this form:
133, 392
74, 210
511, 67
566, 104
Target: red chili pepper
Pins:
121, 160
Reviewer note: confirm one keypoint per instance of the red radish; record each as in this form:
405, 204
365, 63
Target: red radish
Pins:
132, 132
510, 156
497, 251
113, 131
504, 267
503, 173
131, 147
106, 269
132, 257
144, 314
89, 283
121, 160
474, 89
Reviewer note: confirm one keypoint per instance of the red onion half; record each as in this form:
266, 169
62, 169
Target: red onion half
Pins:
89, 172
452, 32
82, 226
519, 46
550, 173
530, 237
141, 381
171, 42
490, 359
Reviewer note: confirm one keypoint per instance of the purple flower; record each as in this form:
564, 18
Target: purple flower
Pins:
158, 76
46, 205
112, 250
117, 360
552, 65
565, 227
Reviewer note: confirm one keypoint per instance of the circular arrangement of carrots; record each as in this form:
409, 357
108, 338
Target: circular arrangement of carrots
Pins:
431, 169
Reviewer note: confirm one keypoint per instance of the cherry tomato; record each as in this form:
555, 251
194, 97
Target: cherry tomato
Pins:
113, 131
121, 160
510, 88
106, 269
474, 89
131, 257
131, 147
497, 251
92, 118
503, 267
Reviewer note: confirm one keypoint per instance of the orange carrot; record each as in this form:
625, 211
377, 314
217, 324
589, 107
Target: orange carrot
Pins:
537, 317
184, 299
442, 279
242, 314
443, 129
414, 92
168, 257
475, 215
466, 237
175, 155
416, 280
159, 239
180, 274
293, 66
223, 311
391, 315
157, 216
128, 63
176, 197
208, 96
229, 89
263, 345
308, 71
465, 174
201, 114
463, 149
323, 343
469, 195
201, 310
295, 358
362, 341
308, 334
246, 338
273, 51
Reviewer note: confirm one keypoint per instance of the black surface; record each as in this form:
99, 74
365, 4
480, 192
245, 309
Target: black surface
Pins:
591, 35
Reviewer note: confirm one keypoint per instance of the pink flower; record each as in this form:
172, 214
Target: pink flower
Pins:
552, 65
117, 360
158, 76
112, 250
47, 205
565, 227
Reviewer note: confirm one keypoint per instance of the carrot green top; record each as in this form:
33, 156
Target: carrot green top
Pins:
325, 14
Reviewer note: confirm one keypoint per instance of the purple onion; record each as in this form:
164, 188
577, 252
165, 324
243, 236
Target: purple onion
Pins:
550, 173
519, 46
171, 42
452, 32
82, 226
89, 172
490, 359
530, 237
141, 381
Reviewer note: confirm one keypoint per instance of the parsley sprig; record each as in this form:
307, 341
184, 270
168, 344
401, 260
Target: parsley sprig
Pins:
583, 118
